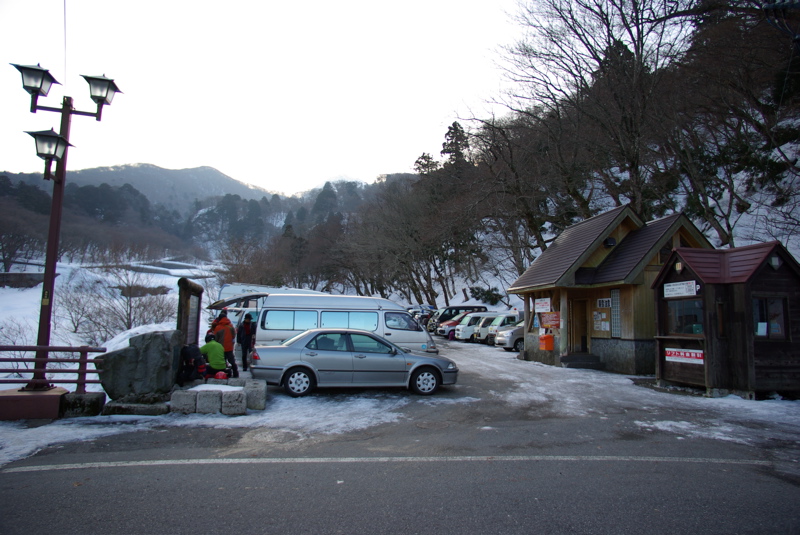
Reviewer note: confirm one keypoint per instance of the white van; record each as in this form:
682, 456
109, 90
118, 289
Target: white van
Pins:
482, 329
465, 331
282, 316
239, 288
503, 320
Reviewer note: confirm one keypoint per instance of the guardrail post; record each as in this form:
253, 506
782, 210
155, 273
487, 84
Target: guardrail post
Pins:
84, 355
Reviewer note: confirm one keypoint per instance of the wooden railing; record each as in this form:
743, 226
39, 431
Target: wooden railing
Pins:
40, 365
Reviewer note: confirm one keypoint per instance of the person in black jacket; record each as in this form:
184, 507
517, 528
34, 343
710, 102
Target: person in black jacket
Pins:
193, 365
245, 336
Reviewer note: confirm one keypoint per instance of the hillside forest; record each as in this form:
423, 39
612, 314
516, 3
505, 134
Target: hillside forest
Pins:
667, 106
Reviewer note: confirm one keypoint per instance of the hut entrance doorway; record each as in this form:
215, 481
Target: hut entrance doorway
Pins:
578, 328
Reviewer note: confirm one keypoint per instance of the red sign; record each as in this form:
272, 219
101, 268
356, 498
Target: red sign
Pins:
686, 356
550, 320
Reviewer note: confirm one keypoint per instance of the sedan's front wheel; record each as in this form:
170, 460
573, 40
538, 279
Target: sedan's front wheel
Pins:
425, 382
298, 382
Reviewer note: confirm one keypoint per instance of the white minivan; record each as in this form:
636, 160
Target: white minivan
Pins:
239, 288
482, 329
282, 316
508, 318
465, 331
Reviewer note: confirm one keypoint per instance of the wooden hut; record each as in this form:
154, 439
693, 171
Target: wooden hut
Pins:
591, 291
728, 320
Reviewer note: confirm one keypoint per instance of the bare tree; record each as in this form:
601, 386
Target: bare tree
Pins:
127, 299
118, 298
73, 305
731, 110
17, 332
20, 234
602, 59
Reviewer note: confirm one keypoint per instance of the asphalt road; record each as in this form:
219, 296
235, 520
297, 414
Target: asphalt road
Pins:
487, 466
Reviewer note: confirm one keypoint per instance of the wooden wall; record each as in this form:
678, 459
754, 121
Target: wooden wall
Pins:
734, 359
776, 363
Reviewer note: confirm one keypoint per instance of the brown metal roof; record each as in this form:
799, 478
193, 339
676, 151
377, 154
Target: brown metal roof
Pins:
719, 266
566, 252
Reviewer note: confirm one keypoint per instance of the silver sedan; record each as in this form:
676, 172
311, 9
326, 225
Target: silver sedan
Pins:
348, 358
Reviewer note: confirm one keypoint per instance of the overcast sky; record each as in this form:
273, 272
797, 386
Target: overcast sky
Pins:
284, 95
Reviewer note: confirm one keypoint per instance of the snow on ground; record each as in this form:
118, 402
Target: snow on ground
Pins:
566, 393
562, 393
581, 393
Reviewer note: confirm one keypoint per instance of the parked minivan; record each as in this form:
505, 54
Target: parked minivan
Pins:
444, 314
482, 329
238, 288
509, 318
281, 316
465, 331
285, 315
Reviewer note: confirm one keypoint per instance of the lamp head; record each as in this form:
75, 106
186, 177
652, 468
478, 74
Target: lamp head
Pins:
36, 80
102, 89
49, 144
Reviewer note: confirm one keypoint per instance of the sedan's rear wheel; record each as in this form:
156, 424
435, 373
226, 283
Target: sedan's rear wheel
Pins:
298, 382
425, 382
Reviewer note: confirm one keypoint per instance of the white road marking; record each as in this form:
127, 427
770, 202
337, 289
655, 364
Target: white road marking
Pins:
323, 460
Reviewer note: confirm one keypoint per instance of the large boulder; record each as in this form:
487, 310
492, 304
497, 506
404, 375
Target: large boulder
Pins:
145, 372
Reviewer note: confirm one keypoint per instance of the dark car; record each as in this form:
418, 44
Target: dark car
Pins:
447, 313
348, 358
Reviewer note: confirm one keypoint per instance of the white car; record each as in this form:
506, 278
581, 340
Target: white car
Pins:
465, 331
482, 329
501, 321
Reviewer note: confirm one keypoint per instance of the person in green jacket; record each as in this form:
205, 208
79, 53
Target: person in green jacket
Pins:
214, 354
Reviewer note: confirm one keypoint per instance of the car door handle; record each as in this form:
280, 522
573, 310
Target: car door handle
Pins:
311, 354
387, 334
360, 356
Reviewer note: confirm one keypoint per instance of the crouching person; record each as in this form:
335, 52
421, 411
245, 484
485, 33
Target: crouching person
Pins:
215, 355
193, 366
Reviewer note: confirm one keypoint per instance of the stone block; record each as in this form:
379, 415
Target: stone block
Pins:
89, 404
209, 401
213, 381
183, 401
137, 409
234, 402
237, 381
256, 392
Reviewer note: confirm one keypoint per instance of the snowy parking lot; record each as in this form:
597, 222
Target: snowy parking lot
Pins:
488, 375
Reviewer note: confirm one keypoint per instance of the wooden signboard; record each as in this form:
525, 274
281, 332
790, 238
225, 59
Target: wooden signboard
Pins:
550, 320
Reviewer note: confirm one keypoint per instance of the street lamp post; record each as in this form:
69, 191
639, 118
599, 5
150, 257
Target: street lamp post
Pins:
51, 146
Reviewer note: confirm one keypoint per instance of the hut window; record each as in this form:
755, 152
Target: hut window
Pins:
616, 320
769, 317
685, 316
